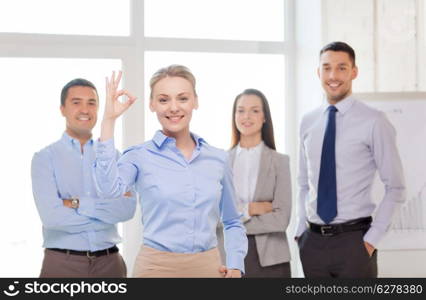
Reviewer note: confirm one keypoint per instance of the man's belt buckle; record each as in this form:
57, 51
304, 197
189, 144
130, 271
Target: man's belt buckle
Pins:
324, 230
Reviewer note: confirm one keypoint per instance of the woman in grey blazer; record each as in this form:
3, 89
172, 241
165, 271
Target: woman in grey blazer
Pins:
263, 186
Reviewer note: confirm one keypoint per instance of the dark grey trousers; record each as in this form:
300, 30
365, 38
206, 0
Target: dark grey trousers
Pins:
255, 270
57, 264
340, 256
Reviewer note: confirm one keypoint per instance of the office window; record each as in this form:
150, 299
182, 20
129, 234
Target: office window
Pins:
220, 78
30, 121
81, 17
215, 19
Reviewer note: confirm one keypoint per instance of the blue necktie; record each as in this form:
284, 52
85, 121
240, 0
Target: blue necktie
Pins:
327, 194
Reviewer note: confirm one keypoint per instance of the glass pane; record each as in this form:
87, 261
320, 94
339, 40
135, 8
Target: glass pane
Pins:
220, 78
33, 121
86, 17
216, 19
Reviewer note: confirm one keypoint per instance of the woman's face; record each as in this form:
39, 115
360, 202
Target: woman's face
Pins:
173, 99
249, 116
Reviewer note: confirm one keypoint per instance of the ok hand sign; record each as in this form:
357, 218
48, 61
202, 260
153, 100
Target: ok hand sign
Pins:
114, 107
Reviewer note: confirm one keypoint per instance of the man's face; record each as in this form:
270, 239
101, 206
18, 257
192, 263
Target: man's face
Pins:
80, 111
336, 72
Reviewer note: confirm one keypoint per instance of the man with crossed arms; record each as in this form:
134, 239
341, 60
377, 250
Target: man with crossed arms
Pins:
79, 228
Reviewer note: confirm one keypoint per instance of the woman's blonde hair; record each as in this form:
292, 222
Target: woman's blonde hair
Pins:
172, 71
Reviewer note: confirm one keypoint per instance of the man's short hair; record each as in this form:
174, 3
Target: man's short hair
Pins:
340, 46
75, 82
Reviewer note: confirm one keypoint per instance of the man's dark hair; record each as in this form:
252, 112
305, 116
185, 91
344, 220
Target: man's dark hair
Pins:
340, 46
75, 82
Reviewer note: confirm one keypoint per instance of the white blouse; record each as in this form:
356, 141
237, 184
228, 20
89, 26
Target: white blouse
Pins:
246, 170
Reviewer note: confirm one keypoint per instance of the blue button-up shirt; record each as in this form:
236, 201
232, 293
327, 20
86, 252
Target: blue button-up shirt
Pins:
61, 171
365, 143
182, 200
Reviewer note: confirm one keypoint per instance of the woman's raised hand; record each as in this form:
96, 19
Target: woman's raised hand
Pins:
113, 106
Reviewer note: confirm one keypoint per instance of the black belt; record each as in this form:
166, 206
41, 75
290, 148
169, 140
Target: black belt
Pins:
333, 229
89, 254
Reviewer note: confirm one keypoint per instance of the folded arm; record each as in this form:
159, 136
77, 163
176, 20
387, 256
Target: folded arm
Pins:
273, 216
54, 215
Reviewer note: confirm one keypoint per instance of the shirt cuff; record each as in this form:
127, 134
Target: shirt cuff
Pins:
105, 150
373, 236
301, 228
236, 262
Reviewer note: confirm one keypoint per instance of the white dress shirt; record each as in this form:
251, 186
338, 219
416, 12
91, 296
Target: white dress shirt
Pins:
246, 170
365, 142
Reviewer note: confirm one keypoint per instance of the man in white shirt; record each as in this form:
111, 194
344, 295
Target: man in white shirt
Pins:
342, 144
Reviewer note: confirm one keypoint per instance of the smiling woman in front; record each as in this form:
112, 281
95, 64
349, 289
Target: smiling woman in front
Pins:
185, 185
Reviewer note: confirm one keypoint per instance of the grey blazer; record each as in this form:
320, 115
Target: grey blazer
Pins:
273, 184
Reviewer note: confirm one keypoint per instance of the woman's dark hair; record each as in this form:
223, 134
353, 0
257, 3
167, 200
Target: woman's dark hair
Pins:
267, 127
